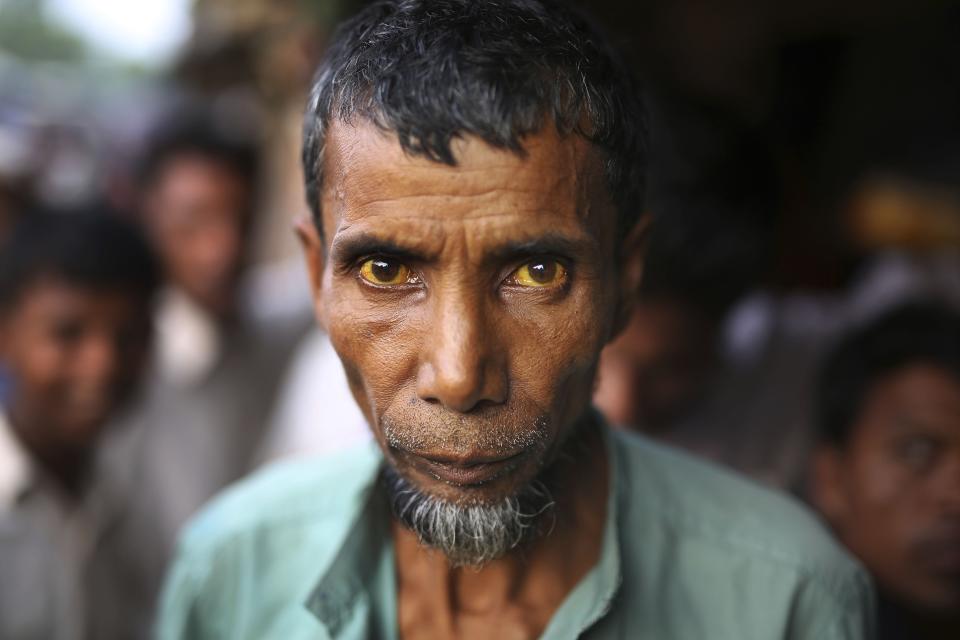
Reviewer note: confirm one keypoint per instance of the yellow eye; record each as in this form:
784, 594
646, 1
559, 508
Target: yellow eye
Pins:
386, 272
540, 273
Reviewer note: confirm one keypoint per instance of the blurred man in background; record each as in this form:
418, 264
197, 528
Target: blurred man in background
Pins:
220, 351
75, 306
198, 193
707, 361
887, 471
699, 260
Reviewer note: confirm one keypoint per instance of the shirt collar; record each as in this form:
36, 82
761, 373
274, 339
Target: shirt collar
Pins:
593, 596
16, 470
353, 575
366, 552
188, 339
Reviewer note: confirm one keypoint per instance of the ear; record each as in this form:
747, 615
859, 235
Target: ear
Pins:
827, 491
315, 254
633, 253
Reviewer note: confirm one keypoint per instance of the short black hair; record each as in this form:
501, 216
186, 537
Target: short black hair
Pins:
434, 70
195, 130
90, 249
916, 332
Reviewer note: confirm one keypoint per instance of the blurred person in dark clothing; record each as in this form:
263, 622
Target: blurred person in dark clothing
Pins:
220, 352
887, 471
709, 361
75, 321
701, 258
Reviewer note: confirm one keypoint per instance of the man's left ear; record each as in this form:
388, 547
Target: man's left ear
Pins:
633, 253
313, 251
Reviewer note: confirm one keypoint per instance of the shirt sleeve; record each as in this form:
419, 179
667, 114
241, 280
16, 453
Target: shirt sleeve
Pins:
179, 617
839, 609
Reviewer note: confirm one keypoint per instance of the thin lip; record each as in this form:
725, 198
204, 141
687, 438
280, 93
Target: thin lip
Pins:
942, 554
946, 561
463, 471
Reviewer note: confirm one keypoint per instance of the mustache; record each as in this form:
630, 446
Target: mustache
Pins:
493, 431
939, 540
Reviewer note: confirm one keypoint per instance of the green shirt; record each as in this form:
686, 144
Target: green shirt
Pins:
303, 550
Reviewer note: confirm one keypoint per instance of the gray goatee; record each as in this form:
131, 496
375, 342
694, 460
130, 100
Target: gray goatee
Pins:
469, 534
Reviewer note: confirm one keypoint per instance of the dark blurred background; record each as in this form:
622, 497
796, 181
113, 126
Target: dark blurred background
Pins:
804, 177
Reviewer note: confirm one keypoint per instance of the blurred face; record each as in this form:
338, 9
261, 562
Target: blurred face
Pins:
74, 355
656, 367
469, 303
198, 213
894, 493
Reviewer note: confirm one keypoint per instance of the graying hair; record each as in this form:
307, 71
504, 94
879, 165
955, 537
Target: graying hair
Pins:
431, 71
469, 534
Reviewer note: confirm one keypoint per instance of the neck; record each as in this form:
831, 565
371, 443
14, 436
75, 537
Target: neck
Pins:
537, 576
67, 465
898, 621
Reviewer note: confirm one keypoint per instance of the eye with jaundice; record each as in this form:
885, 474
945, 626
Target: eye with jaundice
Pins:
540, 273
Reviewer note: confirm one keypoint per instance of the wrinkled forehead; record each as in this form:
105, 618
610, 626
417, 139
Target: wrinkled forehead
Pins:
556, 185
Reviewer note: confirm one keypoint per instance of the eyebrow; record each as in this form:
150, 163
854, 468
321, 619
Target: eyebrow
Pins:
549, 244
347, 249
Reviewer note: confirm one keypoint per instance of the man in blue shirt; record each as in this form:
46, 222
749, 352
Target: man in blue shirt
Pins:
476, 174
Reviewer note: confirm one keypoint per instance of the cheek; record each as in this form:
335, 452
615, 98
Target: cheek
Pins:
884, 487
40, 363
554, 349
886, 508
378, 346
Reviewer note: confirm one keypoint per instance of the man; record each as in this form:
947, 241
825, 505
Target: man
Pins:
198, 194
709, 362
887, 474
217, 363
75, 303
702, 257
476, 172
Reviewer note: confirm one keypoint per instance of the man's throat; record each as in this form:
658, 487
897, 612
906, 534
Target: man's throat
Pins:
518, 593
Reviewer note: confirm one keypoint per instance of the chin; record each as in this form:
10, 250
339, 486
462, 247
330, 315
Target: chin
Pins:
473, 529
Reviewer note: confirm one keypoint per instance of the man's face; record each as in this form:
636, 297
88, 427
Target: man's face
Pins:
657, 367
468, 304
74, 355
198, 213
894, 492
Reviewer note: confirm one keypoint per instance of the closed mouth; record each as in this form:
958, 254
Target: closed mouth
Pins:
462, 471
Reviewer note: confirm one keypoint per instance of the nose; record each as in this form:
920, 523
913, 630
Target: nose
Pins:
462, 365
220, 248
947, 484
98, 360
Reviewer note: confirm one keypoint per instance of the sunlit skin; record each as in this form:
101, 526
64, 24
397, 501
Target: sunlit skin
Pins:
469, 305
198, 215
893, 492
74, 355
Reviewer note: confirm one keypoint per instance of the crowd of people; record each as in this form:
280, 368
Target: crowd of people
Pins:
147, 363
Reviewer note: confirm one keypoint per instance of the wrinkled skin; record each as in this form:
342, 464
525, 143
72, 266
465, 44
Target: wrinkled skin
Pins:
75, 355
469, 305
464, 364
893, 492
198, 213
